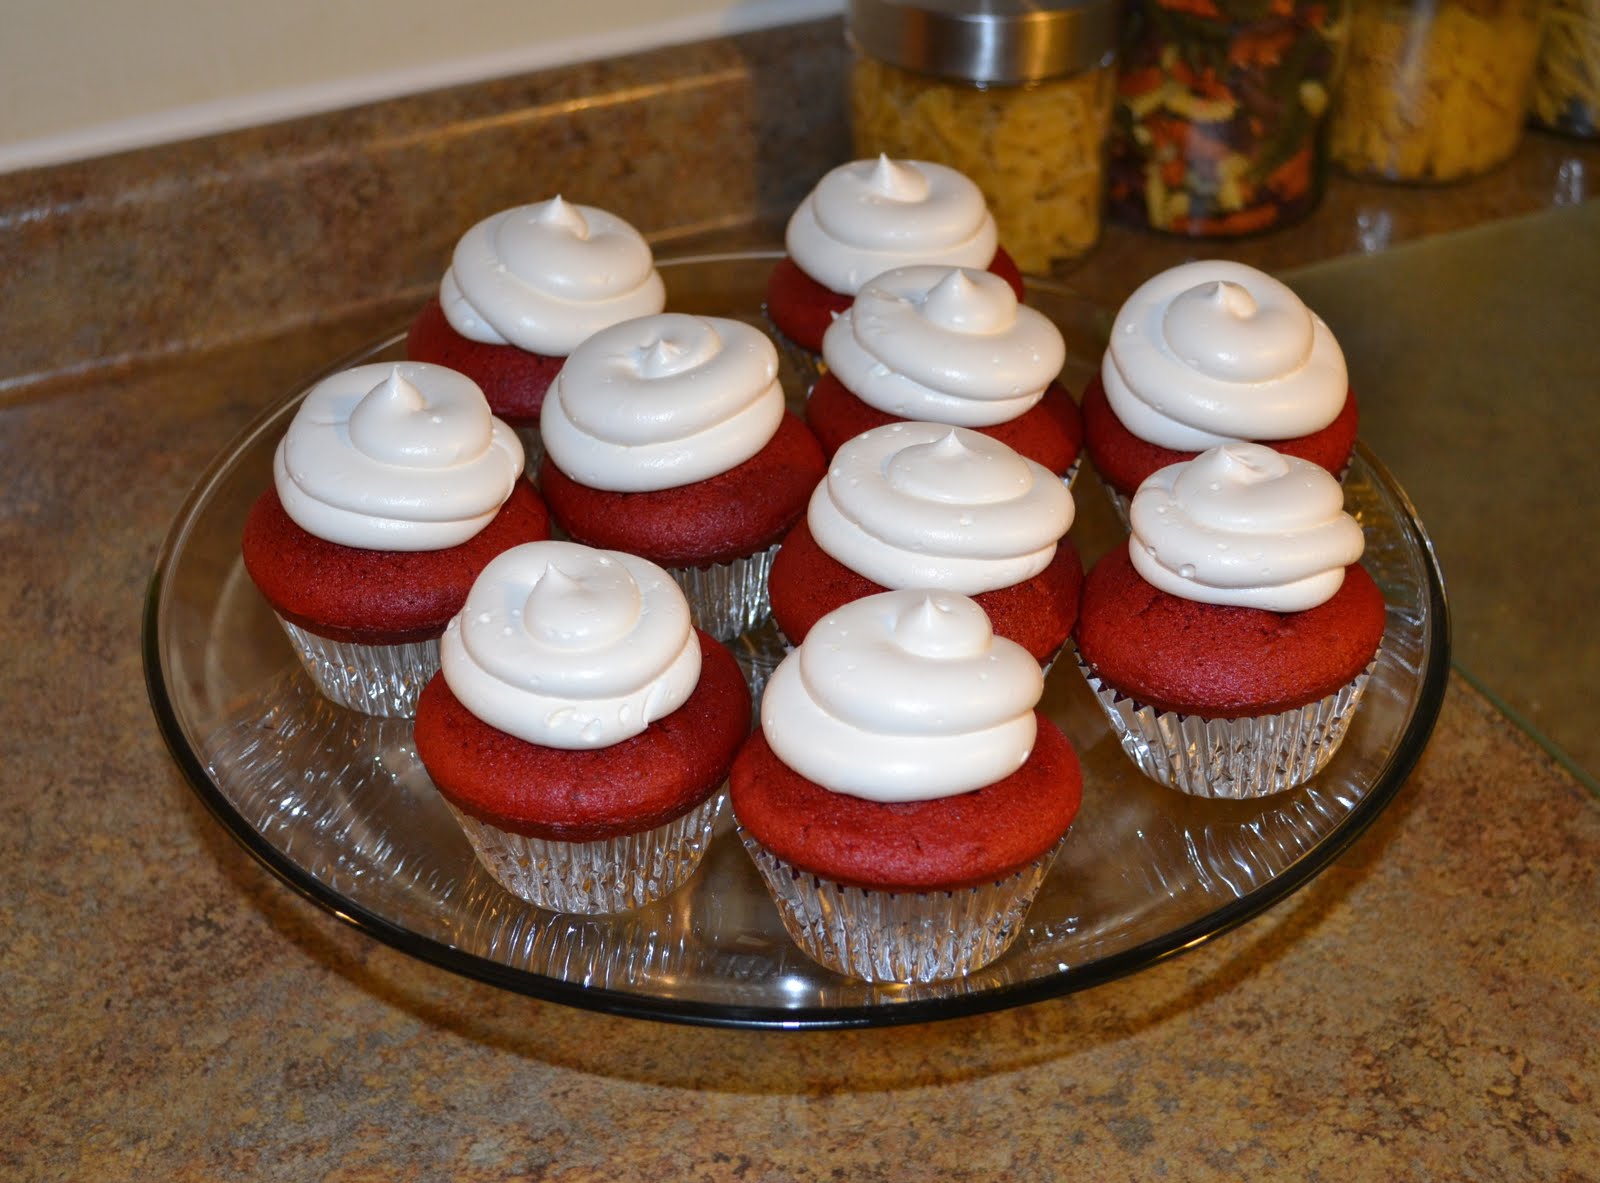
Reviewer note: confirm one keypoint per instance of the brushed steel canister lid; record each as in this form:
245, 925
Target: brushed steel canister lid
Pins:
990, 41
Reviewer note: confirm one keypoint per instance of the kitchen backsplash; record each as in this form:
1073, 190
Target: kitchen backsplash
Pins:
234, 236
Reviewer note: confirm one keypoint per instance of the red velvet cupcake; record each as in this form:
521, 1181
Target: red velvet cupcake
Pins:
667, 437
904, 799
581, 729
525, 287
947, 345
1209, 353
923, 505
867, 217
1230, 641
393, 488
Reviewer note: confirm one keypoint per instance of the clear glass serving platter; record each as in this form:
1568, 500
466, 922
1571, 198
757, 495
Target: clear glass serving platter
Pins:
338, 805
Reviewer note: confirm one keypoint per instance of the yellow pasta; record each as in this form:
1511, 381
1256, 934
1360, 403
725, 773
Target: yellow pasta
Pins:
1036, 151
1566, 84
1434, 93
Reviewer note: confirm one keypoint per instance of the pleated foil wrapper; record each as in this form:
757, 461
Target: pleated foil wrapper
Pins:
602, 877
532, 449
889, 936
806, 366
1232, 759
383, 680
727, 599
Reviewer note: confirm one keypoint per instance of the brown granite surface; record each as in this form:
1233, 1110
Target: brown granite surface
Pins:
1428, 1008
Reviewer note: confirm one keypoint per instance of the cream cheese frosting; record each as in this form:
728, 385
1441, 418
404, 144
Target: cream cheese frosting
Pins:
928, 505
543, 277
567, 646
944, 344
1215, 351
868, 216
903, 696
396, 456
1244, 525
662, 401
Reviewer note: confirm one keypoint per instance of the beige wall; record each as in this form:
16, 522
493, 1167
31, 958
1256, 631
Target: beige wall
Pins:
83, 77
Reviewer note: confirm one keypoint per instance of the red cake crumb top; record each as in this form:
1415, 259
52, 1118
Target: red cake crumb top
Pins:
1222, 662
1050, 432
513, 380
376, 597
584, 795
1124, 460
944, 844
802, 309
807, 583
729, 516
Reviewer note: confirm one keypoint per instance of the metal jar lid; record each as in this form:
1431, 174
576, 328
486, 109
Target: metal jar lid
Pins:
995, 41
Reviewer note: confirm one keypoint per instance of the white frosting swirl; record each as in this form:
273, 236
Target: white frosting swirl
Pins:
662, 401
927, 505
543, 277
396, 456
1216, 351
903, 696
943, 344
1244, 525
571, 647
867, 216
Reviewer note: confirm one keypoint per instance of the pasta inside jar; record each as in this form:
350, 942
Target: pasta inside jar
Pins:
1037, 150
1434, 92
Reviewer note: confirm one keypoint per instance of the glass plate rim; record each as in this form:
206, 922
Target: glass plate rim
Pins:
1385, 786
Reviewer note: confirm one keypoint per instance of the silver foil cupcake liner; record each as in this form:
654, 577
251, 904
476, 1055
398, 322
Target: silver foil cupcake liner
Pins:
532, 449
601, 877
382, 680
890, 936
806, 367
727, 599
1232, 759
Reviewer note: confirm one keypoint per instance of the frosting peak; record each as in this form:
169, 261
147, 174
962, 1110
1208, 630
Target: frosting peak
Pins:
543, 277
903, 696
1244, 525
1215, 351
868, 216
662, 401
571, 647
894, 181
926, 505
948, 345
396, 457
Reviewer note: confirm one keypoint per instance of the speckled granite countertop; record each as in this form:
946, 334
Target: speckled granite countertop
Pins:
1428, 1008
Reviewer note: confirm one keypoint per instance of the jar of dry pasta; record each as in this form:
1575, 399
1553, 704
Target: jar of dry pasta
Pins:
1566, 81
1434, 90
1220, 112
1016, 94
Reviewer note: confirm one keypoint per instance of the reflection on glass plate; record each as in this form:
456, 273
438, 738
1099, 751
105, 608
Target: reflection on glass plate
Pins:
339, 806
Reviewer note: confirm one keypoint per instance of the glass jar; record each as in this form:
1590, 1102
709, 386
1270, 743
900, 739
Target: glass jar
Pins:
1220, 112
1566, 80
1435, 90
1016, 94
